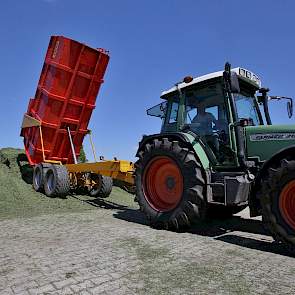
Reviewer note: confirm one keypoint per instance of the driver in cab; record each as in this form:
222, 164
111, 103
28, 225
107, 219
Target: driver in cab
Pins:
204, 124
205, 121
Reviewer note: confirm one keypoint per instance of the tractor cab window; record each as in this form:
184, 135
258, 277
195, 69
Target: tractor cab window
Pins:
169, 120
206, 112
206, 116
173, 113
213, 110
158, 110
247, 109
202, 119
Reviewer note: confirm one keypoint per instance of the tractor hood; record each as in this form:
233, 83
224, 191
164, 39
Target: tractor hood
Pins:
265, 141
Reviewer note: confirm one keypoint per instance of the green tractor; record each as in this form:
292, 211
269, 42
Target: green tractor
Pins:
217, 153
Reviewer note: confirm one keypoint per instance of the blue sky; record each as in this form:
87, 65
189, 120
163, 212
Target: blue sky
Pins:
152, 45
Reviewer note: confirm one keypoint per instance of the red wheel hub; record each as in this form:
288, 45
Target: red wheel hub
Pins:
163, 183
287, 203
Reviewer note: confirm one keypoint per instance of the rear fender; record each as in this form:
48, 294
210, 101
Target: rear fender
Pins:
188, 140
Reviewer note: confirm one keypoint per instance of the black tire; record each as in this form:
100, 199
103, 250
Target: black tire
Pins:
56, 181
192, 203
106, 187
103, 189
271, 194
45, 167
38, 178
223, 212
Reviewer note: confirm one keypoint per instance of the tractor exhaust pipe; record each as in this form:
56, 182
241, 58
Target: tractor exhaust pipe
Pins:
229, 87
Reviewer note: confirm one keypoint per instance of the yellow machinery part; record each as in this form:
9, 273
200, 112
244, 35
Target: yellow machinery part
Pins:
117, 169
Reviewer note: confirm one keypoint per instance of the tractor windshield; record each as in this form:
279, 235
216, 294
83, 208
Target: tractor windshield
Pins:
247, 108
206, 115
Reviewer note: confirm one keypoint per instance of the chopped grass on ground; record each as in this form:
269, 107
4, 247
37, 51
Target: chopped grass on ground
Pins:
18, 199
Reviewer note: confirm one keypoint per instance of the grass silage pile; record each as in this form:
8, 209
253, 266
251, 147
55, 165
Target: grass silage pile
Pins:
18, 199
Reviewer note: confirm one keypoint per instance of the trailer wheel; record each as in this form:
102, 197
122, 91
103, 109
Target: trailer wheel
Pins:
277, 198
39, 175
106, 187
56, 181
170, 186
38, 178
103, 188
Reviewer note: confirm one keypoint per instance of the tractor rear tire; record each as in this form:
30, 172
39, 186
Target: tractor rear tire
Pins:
104, 188
56, 181
277, 198
170, 185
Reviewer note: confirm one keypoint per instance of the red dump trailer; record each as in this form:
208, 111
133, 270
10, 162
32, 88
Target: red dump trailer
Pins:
57, 118
71, 76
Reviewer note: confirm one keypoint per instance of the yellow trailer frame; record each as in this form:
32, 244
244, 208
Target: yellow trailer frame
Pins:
116, 169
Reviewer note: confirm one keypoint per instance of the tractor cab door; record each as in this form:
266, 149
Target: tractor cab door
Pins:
171, 118
207, 115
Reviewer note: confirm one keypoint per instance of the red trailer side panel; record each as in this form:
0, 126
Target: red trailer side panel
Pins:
65, 97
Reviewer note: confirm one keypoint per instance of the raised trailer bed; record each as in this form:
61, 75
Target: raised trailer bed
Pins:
57, 118
65, 98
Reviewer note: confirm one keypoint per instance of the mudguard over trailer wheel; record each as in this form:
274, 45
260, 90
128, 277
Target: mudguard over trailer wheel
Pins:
169, 184
56, 181
278, 202
104, 187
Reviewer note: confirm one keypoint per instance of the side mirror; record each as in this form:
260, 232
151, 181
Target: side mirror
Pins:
290, 108
234, 83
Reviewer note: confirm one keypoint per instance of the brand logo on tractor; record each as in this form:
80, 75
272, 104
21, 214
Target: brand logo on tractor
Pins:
272, 136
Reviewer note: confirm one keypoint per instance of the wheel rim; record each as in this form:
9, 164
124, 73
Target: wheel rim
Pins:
163, 183
50, 181
287, 203
38, 177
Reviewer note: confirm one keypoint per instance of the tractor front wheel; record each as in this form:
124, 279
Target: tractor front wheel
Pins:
169, 184
278, 201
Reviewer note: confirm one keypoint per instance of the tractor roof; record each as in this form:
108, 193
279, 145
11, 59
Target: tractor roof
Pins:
241, 72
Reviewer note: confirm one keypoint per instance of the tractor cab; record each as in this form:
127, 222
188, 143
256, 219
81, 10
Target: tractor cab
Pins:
200, 106
218, 110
